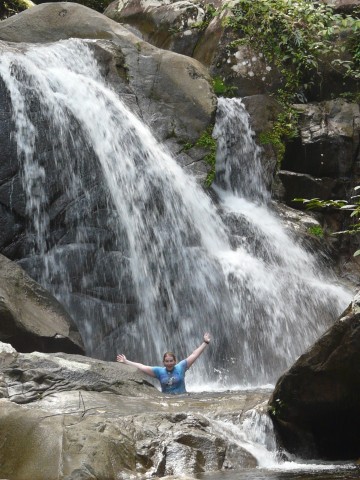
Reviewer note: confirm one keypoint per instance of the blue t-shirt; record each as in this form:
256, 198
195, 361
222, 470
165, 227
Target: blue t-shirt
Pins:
174, 381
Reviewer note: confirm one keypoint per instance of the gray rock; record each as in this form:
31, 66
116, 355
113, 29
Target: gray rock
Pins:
165, 25
189, 28
31, 319
170, 92
192, 28
328, 142
315, 404
72, 417
302, 185
157, 78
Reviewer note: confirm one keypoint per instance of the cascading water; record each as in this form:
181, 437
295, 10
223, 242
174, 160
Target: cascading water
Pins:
144, 262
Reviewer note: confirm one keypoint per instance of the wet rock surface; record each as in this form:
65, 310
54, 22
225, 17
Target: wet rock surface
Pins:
171, 93
31, 318
68, 416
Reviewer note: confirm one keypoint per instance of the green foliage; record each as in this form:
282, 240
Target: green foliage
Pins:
285, 127
353, 97
353, 207
221, 89
10, 7
316, 231
210, 13
316, 203
207, 142
351, 67
187, 146
276, 408
295, 36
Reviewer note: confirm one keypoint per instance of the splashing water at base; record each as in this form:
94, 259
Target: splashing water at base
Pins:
175, 271
256, 436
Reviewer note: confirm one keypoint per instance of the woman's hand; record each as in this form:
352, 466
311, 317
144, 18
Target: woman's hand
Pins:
207, 337
121, 358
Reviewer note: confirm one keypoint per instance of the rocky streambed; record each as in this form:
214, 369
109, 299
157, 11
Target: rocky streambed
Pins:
72, 417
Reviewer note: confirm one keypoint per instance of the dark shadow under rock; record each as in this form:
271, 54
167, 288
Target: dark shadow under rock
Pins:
31, 318
315, 404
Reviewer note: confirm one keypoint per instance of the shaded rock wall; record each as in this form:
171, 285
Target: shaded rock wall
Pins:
315, 403
31, 319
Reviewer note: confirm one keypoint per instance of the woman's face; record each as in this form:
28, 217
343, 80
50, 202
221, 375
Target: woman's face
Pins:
169, 362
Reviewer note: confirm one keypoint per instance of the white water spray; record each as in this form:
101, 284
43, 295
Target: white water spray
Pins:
174, 271
255, 434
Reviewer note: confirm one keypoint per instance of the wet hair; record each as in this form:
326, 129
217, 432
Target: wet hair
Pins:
169, 354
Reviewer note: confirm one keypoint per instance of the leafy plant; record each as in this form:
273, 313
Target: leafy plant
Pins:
285, 127
10, 7
354, 208
276, 408
351, 96
316, 231
207, 142
220, 88
210, 13
295, 36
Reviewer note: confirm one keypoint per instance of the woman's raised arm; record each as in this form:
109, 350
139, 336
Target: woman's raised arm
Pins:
144, 368
198, 351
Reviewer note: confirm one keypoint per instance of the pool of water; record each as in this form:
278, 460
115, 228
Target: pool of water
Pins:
318, 472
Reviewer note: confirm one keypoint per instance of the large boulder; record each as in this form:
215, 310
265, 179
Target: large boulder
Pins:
192, 28
204, 30
158, 79
72, 417
171, 26
31, 318
315, 404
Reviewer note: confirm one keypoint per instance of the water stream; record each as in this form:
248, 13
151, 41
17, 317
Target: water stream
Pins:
145, 262
255, 434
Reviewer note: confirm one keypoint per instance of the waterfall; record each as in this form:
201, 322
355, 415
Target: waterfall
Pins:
238, 163
136, 250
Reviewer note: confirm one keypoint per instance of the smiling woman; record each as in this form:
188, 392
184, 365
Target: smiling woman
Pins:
172, 375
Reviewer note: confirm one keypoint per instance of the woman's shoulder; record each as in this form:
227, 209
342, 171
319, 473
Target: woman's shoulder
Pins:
182, 364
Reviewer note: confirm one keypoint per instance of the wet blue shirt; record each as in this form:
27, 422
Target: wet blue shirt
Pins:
172, 382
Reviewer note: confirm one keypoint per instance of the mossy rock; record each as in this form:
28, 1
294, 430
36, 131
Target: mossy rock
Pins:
10, 7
